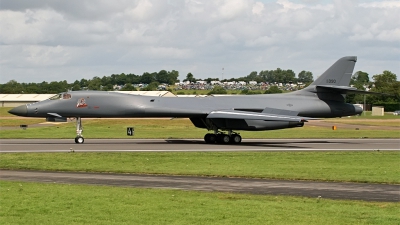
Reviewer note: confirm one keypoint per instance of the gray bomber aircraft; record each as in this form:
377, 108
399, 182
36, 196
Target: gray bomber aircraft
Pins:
324, 98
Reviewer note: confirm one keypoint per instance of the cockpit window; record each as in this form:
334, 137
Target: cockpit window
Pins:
55, 97
61, 96
66, 96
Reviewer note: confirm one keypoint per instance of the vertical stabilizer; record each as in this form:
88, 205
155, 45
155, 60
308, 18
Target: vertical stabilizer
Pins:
339, 74
334, 83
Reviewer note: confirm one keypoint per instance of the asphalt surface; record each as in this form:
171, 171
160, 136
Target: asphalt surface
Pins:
331, 190
115, 145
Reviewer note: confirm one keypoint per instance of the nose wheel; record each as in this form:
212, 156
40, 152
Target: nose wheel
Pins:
79, 140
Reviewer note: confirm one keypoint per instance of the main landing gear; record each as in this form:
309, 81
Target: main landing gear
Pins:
79, 138
222, 138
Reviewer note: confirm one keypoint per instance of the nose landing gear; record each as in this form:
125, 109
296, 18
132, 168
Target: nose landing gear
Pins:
79, 138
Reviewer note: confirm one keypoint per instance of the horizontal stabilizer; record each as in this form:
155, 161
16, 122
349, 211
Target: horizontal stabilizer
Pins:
345, 90
235, 114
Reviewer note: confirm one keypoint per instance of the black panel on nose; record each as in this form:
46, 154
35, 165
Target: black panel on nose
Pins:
21, 110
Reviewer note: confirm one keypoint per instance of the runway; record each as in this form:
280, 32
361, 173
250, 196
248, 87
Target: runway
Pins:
331, 190
172, 145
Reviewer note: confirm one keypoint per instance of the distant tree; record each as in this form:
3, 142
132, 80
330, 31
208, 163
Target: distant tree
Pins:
252, 76
84, 83
173, 77
276, 76
381, 80
44, 88
190, 78
305, 77
273, 90
289, 76
76, 86
128, 87
121, 79
11, 87
151, 87
132, 78
105, 80
107, 87
162, 77
147, 78
94, 84
56, 87
359, 78
385, 83
31, 88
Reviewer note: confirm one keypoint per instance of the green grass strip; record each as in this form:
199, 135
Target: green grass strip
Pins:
35, 203
353, 166
178, 128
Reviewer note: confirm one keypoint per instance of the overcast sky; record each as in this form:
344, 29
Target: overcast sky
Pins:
55, 40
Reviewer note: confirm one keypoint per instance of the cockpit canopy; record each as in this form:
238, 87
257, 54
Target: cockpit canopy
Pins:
64, 95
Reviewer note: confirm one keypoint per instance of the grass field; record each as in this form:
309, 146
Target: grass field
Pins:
368, 115
368, 122
17, 122
375, 167
178, 128
32, 203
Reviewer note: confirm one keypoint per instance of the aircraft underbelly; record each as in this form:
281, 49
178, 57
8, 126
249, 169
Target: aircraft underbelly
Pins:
253, 125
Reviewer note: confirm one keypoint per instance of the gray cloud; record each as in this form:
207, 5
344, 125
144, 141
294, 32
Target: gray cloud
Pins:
57, 40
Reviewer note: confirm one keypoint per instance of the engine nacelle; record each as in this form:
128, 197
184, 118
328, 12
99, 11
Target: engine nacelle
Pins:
234, 124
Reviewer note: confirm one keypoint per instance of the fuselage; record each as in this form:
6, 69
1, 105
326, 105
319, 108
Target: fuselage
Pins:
111, 104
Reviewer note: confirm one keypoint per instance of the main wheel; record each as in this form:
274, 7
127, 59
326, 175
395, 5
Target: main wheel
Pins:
236, 139
210, 138
223, 139
79, 140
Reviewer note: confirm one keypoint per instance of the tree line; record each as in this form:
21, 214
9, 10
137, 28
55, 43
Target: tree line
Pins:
106, 83
385, 83
266, 76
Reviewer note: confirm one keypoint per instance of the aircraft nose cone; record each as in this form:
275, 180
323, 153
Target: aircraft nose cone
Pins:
21, 110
